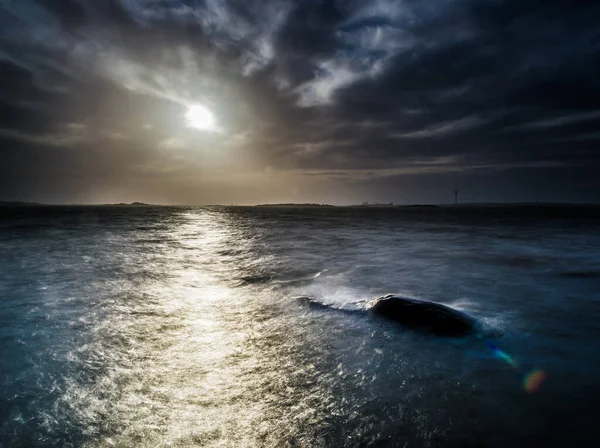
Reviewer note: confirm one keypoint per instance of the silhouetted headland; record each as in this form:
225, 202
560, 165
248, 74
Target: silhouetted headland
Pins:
38, 204
19, 204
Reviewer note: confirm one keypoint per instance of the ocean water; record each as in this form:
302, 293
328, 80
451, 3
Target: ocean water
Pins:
124, 326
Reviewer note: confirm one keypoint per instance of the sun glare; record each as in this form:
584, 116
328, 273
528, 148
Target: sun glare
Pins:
199, 117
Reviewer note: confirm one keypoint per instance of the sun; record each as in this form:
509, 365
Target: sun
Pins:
199, 117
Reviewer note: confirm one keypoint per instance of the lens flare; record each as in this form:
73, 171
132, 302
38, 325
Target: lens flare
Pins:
533, 380
503, 355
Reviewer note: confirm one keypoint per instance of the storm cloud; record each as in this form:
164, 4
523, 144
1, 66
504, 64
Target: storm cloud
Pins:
321, 101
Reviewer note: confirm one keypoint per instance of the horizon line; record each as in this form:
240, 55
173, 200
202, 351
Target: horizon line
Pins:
292, 204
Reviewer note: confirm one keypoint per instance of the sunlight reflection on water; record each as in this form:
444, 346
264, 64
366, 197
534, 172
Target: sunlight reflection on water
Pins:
180, 386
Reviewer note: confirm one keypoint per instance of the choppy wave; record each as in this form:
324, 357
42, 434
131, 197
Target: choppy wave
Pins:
178, 327
258, 279
580, 274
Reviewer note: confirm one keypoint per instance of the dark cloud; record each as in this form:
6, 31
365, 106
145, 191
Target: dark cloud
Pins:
405, 97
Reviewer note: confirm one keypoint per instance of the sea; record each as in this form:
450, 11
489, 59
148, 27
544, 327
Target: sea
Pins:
182, 326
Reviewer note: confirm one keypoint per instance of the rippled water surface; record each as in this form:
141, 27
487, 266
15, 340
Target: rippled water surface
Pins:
181, 327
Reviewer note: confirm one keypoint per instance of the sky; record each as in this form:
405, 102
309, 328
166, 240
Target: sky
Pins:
340, 102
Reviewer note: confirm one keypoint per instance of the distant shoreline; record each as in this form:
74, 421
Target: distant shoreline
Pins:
292, 204
314, 205
38, 204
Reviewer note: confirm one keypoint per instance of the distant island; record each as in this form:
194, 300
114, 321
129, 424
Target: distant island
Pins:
292, 204
377, 204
